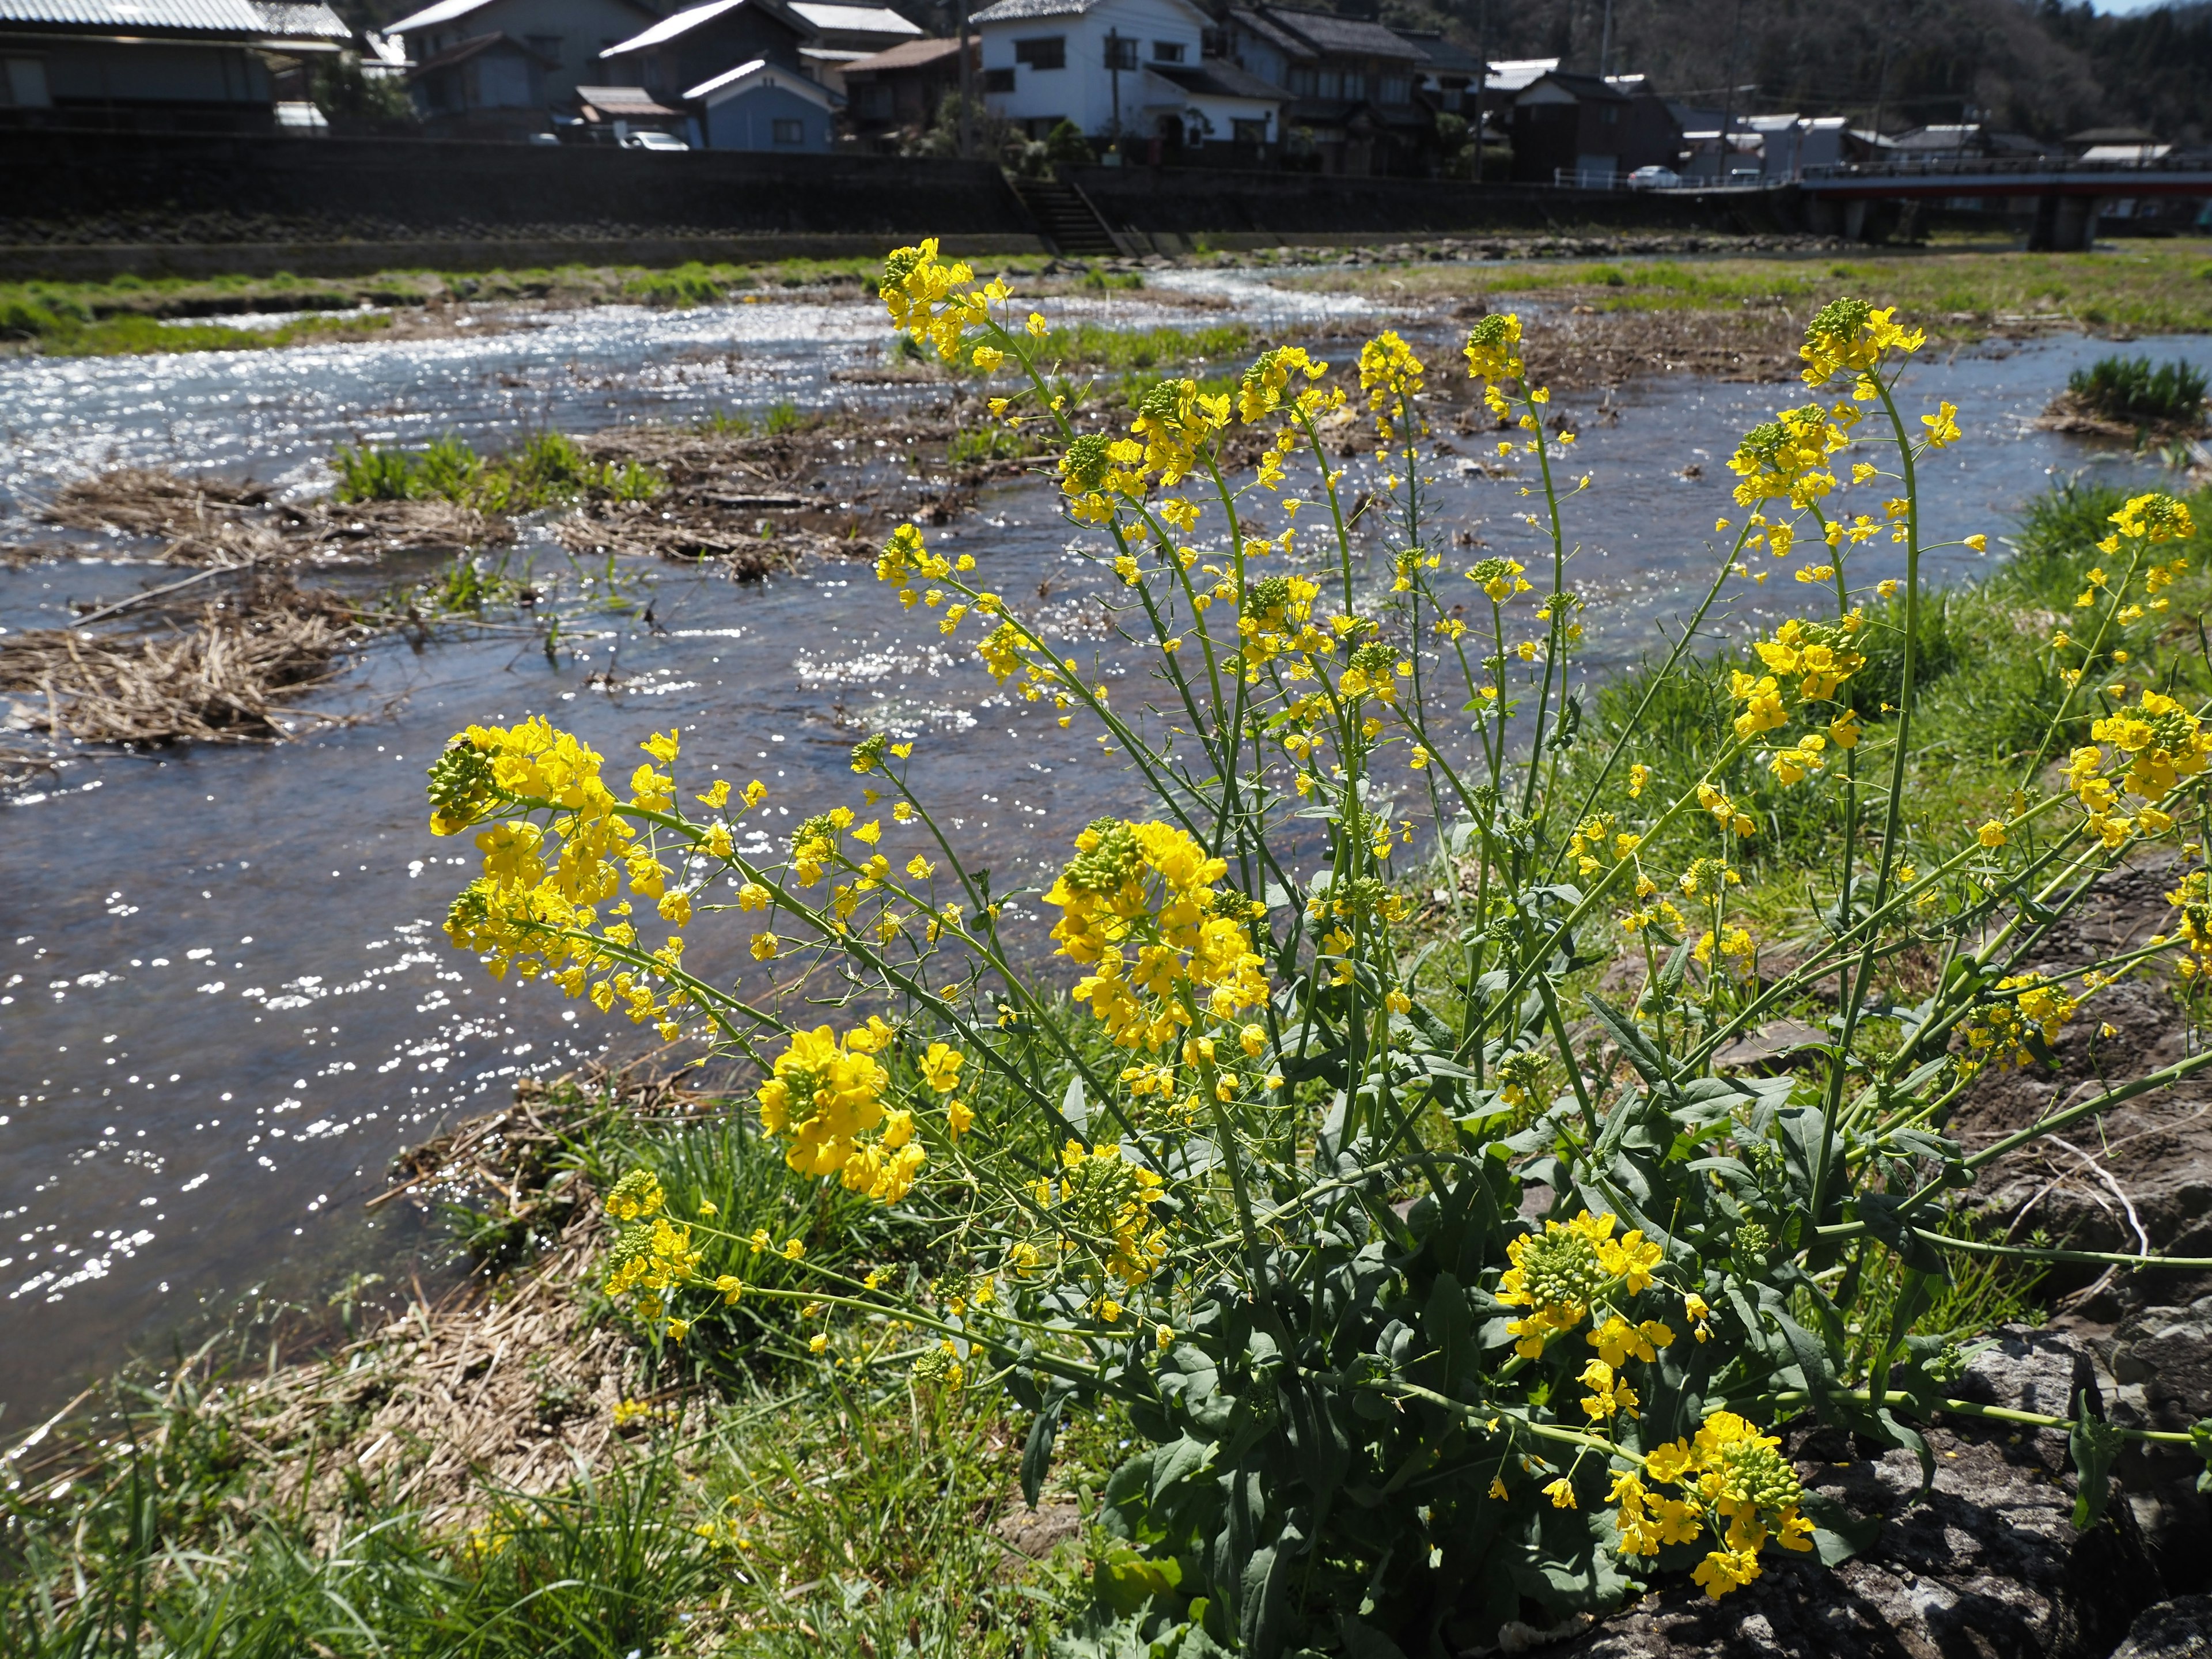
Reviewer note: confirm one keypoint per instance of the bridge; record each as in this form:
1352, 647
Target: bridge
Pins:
2066, 192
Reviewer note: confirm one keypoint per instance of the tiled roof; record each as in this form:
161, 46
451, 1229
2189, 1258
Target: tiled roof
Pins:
624, 103
908, 54
430, 16
1281, 38
1329, 32
470, 47
683, 22
245, 18
854, 20
1220, 78
1014, 11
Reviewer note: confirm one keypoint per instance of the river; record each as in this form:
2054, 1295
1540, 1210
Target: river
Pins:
225, 1001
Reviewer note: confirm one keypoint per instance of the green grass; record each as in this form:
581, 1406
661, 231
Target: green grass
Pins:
2147, 287
806, 1507
67, 333
546, 471
2129, 389
1988, 684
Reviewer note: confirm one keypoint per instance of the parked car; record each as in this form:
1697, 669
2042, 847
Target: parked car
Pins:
654, 141
1653, 178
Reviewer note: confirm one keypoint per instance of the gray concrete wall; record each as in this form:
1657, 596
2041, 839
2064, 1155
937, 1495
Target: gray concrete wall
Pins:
1232, 207
115, 188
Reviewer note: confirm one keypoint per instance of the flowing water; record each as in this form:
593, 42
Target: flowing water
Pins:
225, 1001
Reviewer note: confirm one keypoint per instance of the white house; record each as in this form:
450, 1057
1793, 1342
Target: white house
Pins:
1120, 68
847, 33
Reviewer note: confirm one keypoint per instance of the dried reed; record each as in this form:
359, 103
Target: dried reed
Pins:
231, 676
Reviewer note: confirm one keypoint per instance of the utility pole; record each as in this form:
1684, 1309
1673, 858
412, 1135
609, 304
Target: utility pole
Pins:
1114, 73
1728, 97
1481, 78
1880, 88
1605, 44
967, 91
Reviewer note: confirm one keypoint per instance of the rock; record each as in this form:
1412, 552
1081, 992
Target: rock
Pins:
1774, 1040
2145, 1172
2161, 1367
1986, 1566
2179, 1629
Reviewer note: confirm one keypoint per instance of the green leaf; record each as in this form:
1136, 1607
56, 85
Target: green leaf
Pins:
2095, 1445
1634, 1045
1036, 1455
1838, 1534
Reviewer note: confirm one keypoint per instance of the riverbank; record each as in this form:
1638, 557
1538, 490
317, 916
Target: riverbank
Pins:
514, 1469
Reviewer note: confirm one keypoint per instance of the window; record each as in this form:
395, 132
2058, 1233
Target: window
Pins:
547, 46
1397, 89
1047, 51
1329, 83
1355, 84
1253, 133
1167, 51
872, 100
998, 80
1303, 83
1121, 54
23, 83
787, 130
1611, 115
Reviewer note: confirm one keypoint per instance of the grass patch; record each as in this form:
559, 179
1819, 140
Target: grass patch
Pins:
1987, 681
547, 470
751, 1497
2158, 287
2128, 389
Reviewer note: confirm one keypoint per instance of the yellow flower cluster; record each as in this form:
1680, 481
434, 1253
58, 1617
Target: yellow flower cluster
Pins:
1391, 376
1102, 1204
1266, 387
930, 301
2193, 899
1275, 616
827, 1094
1788, 457
1849, 336
1558, 1274
534, 907
2156, 517
2037, 1008
1150, 885
1730, 1478
1493, 356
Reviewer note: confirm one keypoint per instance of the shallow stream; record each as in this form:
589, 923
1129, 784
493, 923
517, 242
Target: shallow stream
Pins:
225, 1001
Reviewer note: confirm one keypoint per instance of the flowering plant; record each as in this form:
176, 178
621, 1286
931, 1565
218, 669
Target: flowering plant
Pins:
1446, 1290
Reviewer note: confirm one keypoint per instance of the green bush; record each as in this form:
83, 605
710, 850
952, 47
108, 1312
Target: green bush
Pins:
2129, 389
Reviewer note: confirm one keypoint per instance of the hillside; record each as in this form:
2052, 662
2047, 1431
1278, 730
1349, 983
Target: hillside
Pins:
2047, 69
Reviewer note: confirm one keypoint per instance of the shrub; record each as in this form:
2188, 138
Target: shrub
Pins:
1262, 1187
2128, 389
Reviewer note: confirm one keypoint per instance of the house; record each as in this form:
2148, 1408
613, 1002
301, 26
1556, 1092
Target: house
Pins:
763, 106
1788, 144
900, 90
1122, 69
1351, 82
610, 114
693, 46
844, 34
489, 86
494, 68
1570, 128
154, 65
1448, 72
